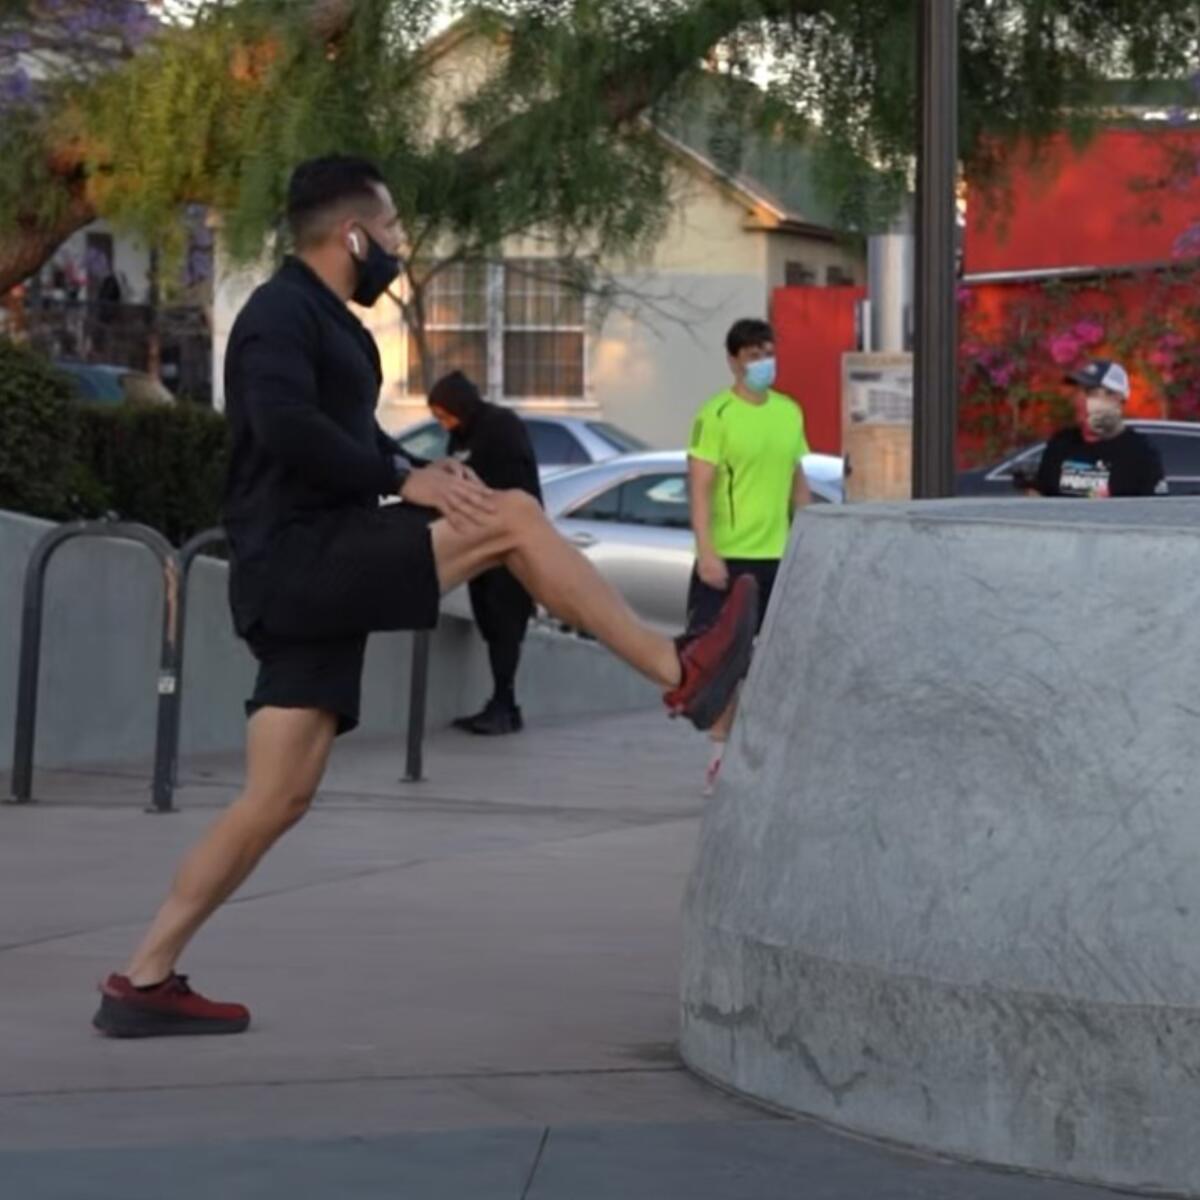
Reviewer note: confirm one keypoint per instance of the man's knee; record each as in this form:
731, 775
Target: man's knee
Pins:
520, 515
283, 808
518, 511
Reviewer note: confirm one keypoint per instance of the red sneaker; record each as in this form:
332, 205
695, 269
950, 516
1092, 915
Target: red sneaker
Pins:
171, 1008
716, 660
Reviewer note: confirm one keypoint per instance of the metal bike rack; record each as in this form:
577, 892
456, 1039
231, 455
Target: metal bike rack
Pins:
31, 651
191, 550
418, 690
176, 568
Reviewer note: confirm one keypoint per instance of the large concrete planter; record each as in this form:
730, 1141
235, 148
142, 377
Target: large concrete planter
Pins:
949, 892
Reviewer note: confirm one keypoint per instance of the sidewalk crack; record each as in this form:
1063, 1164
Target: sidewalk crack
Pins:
537, 1162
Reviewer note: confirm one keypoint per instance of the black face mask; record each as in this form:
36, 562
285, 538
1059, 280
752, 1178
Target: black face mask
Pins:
376, 273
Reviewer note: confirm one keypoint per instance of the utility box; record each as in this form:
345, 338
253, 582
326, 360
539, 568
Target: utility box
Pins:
877, 407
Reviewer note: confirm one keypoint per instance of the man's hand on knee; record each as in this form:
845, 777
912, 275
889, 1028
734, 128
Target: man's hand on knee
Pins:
462, 500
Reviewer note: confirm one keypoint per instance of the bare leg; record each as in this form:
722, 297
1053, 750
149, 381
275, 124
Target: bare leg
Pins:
287, 749
556, 575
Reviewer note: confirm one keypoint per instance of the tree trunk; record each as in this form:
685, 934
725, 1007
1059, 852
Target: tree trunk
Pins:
26, 250
154, 330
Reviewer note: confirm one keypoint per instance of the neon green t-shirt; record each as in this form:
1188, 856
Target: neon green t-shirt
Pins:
756, 449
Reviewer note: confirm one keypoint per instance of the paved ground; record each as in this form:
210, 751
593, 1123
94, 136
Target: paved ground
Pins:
463, 989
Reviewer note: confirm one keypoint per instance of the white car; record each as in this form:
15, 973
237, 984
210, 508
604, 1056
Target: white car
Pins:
559, 443
631, 517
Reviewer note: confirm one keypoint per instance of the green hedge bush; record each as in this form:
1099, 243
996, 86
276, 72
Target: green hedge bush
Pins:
37, 463
162, 465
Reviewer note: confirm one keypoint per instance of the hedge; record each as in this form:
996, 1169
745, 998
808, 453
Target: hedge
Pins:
36, 439
162, 465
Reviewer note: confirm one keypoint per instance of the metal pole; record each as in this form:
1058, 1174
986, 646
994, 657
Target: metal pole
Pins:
167, 725
191, 550
29, 667
417, 692
935, 384
31, 646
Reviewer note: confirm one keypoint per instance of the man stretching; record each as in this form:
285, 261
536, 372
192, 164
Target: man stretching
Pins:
317, 564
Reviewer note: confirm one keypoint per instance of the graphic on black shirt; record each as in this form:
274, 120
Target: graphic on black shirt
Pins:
1127, 465
1088, 479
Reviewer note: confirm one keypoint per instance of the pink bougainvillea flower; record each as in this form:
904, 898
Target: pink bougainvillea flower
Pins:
1089, 332
1064, 348
1188, 242
1002, 375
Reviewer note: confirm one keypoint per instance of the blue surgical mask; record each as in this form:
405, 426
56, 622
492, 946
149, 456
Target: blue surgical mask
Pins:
760, 375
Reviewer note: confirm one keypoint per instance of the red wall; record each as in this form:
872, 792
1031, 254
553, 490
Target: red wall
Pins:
814, 326
1124, 197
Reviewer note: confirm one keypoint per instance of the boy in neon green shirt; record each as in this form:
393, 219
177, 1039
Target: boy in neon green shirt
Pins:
746, 482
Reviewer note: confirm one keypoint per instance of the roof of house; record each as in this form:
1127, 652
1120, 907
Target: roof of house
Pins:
775, 170
774, 175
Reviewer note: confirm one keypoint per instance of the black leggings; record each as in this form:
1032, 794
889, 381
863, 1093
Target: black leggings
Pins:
502, 610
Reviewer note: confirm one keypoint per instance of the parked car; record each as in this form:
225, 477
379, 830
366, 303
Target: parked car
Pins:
631, 517
99, 383
558, 442
1177, 441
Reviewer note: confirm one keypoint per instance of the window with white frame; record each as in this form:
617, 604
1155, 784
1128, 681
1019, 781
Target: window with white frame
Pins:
543, 332
456, 326
517, 328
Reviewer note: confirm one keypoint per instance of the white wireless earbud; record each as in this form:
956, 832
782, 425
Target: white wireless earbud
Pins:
355, 245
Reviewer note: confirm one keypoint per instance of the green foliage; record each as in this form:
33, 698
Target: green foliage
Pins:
218, 111
35, 442
163, 465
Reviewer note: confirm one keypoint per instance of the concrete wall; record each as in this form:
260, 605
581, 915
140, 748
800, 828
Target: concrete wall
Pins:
948, 890
100, 658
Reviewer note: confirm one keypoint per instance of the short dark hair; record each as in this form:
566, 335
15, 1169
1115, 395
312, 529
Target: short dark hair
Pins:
322, 184
747, 333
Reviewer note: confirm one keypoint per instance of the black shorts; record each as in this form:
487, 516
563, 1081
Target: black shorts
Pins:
704, 602
332, 581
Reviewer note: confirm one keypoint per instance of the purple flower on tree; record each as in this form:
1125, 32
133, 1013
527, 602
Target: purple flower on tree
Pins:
1187, 243
1002, 375
1065, 348
1088, 332
16, 88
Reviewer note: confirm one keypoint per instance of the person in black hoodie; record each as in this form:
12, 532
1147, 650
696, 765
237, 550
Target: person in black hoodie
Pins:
493, 442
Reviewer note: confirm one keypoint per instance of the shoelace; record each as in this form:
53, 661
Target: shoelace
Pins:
178, 984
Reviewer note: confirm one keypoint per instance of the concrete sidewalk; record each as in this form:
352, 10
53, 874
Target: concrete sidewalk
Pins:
464, 988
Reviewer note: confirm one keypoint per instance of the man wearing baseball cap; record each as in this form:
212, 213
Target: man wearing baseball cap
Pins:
1100, 456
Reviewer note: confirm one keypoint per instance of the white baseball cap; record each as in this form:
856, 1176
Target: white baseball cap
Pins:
1103, 373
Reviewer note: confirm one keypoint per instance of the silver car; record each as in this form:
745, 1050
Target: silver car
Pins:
559, 443
630, 516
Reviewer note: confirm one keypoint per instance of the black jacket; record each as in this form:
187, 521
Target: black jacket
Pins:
302, 378
496, 446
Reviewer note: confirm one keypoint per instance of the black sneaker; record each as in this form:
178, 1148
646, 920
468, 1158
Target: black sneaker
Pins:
497, 720
466, 724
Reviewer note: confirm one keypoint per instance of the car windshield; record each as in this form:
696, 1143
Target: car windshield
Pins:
618, 439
